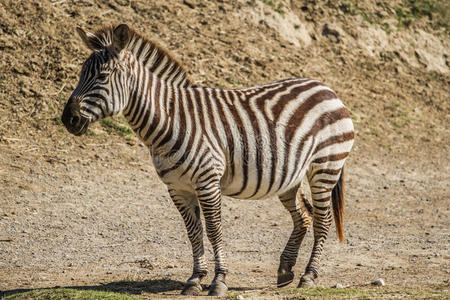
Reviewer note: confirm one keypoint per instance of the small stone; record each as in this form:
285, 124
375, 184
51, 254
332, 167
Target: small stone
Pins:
339, 286
37, 93
378, 282
25, 92
239, 297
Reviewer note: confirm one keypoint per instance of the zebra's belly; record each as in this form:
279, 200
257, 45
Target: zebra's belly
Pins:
262, 181
269, 169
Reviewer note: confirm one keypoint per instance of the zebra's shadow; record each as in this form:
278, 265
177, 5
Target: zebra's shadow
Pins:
155, 286
126, 287
150, 286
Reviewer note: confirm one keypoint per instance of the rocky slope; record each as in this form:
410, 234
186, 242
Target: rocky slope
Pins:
90, 210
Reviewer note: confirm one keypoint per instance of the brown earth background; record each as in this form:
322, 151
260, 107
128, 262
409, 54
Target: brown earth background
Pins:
90, 211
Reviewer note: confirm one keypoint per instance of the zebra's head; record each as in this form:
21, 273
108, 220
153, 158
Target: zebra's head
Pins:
102, 88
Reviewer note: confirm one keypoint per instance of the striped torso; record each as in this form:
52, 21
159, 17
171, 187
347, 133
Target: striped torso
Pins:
260, 141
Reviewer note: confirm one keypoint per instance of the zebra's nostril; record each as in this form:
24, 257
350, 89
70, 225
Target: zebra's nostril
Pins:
74, 120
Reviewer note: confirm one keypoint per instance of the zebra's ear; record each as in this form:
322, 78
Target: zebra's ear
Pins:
89, 39
121, 37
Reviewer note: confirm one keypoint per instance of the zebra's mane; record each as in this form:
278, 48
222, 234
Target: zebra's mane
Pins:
151, 54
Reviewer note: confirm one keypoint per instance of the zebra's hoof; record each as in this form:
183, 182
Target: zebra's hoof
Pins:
306, 282
217, 288
285, 277
191, 288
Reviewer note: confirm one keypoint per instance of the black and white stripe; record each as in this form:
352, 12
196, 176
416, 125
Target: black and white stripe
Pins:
245, 143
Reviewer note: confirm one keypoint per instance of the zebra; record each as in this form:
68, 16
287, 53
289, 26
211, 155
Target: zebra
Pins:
249, 143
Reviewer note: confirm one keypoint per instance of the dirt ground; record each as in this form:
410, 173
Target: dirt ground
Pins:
91, 212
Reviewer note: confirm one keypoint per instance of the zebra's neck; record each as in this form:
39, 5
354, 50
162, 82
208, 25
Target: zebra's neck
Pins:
146, 111
158, 61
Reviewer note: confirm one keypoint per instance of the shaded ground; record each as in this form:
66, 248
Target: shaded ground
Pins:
90, 211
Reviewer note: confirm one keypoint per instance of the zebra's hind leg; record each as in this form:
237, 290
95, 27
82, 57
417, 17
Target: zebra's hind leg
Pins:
299, 210
210, 198
189, 209
321, 190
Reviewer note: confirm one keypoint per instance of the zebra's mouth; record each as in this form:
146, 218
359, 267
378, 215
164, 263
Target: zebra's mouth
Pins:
82, 130
74, 122
78, 128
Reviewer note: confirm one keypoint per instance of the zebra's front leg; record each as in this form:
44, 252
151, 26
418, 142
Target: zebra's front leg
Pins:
189, 209
299, 210
210, 198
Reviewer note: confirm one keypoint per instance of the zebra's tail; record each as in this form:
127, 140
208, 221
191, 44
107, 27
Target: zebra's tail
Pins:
337, 197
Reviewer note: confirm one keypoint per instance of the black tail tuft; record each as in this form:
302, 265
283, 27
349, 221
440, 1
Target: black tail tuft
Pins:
337, 196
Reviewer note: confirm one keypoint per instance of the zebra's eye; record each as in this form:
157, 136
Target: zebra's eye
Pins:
102, 76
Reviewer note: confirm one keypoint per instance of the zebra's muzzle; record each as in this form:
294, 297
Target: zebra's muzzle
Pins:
74, 122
